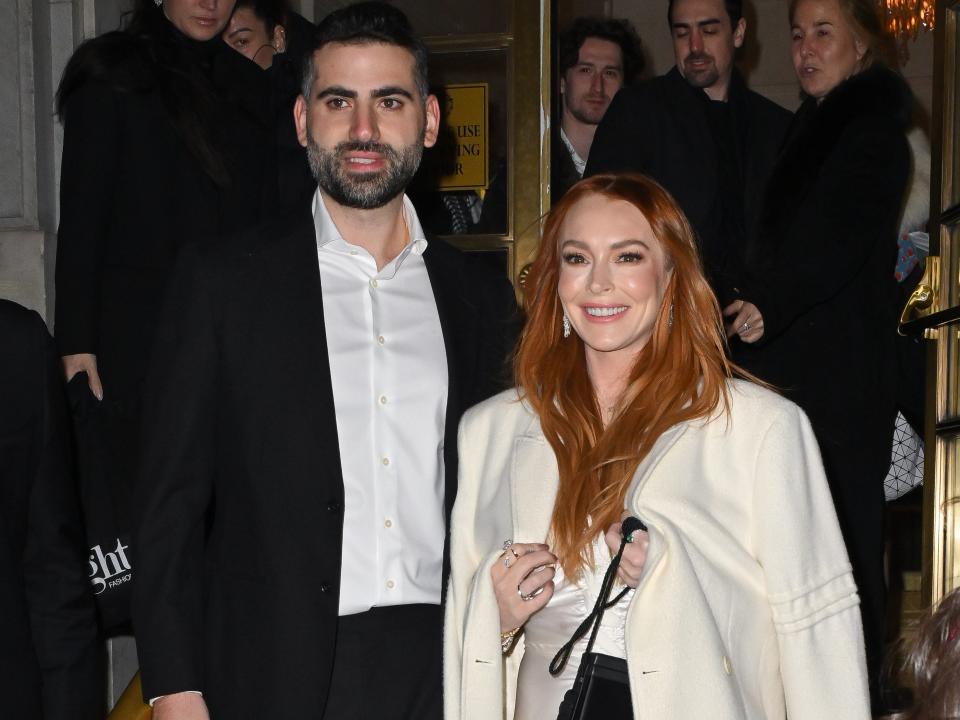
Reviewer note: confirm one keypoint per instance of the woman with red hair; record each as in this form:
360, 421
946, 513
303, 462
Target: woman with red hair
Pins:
739, 602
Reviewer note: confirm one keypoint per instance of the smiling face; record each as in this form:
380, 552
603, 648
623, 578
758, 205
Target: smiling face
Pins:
589, 86
704, 42
826, 50
612, 278
247, 34
198, 19
365, 124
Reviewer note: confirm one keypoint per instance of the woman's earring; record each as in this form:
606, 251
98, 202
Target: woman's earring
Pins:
158, 3
670, 317
566, 326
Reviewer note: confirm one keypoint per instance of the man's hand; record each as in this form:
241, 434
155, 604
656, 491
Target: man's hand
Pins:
747, 321
181, 706
84, 362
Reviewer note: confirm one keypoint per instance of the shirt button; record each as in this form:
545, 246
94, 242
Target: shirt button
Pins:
390, 584
354, 252
381, 339
383, 399
727, 667
388, 523
374, 283
385, 461
333, 507
324, 587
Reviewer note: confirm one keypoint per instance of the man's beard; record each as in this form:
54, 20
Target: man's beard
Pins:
704, 78
586, 114
364, 190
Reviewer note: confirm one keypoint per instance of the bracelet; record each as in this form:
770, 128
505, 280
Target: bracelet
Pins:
508, 639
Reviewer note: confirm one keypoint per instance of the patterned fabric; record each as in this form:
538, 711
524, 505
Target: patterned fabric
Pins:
911, 251
906, 462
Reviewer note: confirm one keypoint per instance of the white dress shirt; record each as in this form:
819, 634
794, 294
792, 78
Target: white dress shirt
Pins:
388, 367
578, 162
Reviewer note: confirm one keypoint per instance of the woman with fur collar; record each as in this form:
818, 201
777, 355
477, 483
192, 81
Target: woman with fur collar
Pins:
818, 313
743, 604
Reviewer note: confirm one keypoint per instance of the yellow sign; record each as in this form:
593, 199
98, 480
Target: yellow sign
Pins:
466, 119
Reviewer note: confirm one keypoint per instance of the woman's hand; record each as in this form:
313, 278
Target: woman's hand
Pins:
84, 362
181, 706
747, 321
634, 554
523, 582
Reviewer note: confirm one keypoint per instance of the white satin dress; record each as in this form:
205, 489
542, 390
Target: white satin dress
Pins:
538, 692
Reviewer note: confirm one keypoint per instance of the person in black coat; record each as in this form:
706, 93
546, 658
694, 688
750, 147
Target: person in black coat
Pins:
166, 136
596, 57
700, 133
50, 666
294, 496
274, 37
820, 317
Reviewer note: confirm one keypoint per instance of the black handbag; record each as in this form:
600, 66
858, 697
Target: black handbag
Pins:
601, 690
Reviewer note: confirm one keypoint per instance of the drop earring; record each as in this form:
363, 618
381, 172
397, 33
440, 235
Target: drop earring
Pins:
158, 3
670, 317
566, 326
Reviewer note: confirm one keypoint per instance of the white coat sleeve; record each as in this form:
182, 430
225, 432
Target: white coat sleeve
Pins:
813, 598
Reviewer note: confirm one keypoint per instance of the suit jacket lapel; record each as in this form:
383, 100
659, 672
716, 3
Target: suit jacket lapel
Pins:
646, 467
299, 278
533, 483
456, 324
534, 479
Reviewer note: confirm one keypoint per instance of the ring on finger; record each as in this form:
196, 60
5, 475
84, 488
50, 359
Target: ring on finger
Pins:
745, 326
526, 597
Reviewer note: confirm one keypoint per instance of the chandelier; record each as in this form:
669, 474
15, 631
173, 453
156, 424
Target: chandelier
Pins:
905, 18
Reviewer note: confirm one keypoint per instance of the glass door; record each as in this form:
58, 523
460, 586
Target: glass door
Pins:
934, 311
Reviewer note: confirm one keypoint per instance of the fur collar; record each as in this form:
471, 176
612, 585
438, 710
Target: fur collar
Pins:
816, 130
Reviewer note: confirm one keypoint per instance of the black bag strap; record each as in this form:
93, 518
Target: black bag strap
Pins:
629, 526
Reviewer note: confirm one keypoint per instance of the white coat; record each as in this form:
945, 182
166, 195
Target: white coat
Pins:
746, 607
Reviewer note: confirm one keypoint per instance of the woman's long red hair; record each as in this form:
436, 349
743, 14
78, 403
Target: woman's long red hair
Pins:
680, 374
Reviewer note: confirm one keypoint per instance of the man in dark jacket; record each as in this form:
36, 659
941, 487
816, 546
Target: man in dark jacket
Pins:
300, 453
700, 133
49, 663
597, 57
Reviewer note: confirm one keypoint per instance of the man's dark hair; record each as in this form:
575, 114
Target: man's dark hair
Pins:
734, 10
369, 22
615, 30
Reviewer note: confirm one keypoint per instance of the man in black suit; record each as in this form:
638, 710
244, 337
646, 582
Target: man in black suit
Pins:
300, 447
701, 134
596, 57
49, 659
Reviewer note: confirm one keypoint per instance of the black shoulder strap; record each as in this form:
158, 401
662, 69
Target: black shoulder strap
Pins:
596, 615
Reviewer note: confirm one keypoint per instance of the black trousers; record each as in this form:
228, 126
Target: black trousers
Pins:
388, 665
856, 479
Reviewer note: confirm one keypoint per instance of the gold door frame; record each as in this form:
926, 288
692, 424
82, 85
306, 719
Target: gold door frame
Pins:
934, 310
528, 111
942, 491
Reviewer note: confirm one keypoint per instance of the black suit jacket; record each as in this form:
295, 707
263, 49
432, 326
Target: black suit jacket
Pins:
661, 128
241, 489
49, 662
